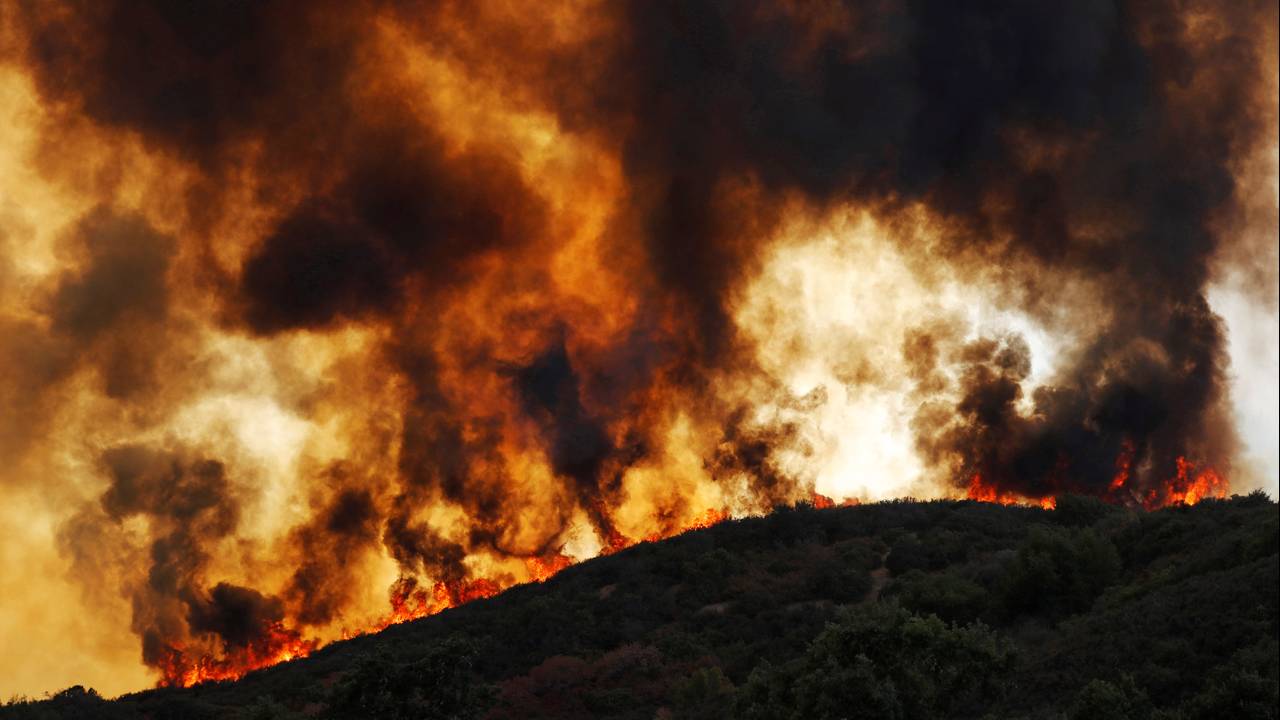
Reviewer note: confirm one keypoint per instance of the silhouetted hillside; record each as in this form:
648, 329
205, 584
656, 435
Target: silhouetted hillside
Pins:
946, 609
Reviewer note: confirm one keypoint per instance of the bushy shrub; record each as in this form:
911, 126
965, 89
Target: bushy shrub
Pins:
1107, 700
1080, 510
1059, 570
1246, 688
882, 661
705, 695
441, 685
947, 595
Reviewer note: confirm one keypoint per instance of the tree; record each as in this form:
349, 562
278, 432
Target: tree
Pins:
882, 661
1106, 700
441, 686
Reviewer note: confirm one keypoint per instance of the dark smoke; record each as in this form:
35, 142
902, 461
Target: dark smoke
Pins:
106, 316
237, 615
404, 213
125, 278
189, 507
934, 102
327, 551
578, 444
192, 76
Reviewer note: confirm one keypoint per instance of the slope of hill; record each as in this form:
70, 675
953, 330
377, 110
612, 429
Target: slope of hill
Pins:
944, 609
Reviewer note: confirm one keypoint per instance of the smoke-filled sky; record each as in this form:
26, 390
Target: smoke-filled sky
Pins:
312, 312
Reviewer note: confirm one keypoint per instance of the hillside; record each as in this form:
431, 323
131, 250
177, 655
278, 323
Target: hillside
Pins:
944, 609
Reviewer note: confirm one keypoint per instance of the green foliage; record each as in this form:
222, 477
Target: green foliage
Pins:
882, 661
1081, 510
1106, 700
947, 595
1247, 687
1060, 570
266, 708
440, 686
706, 695
908, 553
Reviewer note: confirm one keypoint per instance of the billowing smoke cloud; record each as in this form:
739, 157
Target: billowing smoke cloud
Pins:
188, 506
428, 296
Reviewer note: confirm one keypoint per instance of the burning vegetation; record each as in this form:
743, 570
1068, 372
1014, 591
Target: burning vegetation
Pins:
304, 301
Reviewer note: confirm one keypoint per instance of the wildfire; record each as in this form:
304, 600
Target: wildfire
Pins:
542, 568
411, 602
499, 327
279, 644
1124, 463
705, 519
985, 492
615, 542
1188, 487
709, 517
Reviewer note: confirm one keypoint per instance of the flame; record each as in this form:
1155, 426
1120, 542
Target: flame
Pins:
542, 568
1187, 487
179, 668
410, 602
709, 517
705, 519
985, 492
1124, 463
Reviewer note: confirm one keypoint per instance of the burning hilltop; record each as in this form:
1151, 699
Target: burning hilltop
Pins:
323, 316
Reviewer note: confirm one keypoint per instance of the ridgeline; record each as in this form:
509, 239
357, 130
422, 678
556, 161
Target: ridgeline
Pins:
905, 609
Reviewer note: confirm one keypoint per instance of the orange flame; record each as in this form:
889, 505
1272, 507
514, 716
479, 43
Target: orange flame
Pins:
1186, 488
178, 669
709, 517
984, 492
542, 568
1124, 464
409, 602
